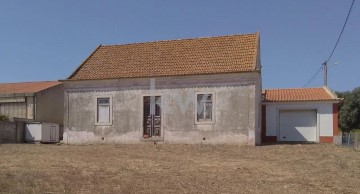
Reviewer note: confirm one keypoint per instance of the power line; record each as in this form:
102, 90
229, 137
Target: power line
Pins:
337, 42
317, 73
342, 30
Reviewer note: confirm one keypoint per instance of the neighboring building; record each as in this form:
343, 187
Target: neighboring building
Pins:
38, 101
302, 114
204, 90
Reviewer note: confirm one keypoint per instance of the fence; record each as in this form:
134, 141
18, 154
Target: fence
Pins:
11, 132
351, 139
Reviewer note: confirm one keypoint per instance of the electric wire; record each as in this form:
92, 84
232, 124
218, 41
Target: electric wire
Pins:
337, 42
342, 30
312, 78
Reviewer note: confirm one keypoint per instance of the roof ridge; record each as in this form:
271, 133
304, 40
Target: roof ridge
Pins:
230, 53
195, 38
294, 88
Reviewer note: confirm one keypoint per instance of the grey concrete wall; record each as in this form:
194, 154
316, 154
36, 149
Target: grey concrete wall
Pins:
235, 109
11, 132
17, 105
30, 107
13, 109
50, 105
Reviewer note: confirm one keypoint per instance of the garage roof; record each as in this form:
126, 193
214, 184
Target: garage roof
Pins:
298, 95
26, 87
223, 54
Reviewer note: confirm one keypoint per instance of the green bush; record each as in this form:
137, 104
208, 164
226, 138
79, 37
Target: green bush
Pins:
349, 110
4, 118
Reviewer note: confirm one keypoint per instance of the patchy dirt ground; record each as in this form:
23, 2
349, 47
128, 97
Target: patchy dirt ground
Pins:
167, 168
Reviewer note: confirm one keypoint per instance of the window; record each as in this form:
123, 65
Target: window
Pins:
103, 111
204, 108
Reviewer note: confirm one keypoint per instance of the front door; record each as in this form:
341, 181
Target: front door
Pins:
152, 116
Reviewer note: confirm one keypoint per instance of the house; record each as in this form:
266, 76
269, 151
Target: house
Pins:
203, 90
300, 114
37, 101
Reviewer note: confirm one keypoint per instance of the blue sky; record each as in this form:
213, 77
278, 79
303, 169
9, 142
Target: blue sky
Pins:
47, 40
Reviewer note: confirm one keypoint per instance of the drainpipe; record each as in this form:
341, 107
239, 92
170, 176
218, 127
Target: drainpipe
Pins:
35, 108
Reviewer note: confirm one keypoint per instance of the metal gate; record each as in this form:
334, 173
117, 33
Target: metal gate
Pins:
152, 116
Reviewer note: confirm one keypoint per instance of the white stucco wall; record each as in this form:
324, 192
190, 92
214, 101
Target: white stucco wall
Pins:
236, 116
324, 116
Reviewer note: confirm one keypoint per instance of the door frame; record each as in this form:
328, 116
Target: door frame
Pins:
161, 138
295, 109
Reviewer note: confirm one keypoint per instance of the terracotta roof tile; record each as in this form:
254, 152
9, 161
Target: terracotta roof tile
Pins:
26, 87
224, 54
298, 94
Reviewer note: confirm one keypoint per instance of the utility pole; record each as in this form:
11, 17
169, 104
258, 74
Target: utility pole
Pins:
325, 73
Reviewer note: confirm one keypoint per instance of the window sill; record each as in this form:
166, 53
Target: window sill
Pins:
204, 122
103, 124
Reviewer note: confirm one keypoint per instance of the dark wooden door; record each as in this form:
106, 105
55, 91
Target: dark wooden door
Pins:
152, 116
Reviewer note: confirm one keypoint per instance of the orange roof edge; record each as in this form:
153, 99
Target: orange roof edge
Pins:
299, 95
331, 93
257, 49
26, 87
81, 64
180, 39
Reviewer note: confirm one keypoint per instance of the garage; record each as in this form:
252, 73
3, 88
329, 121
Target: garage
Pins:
298, 125
296, 115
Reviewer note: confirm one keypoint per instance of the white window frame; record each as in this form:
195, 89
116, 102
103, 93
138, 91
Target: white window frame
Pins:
96, 111
213, 109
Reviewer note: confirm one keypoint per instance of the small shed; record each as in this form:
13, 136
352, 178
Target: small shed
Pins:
300, 115
41, 132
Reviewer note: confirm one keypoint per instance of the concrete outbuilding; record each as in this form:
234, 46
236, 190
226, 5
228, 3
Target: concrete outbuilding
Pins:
38, 101
300, 115
28, 102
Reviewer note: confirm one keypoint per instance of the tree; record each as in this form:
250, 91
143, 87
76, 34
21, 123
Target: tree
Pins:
349, 110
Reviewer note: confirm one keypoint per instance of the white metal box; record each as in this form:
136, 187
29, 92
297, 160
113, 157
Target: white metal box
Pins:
41, 132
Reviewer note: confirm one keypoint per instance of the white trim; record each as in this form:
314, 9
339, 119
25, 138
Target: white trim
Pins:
212, 122
96, 110
161, 138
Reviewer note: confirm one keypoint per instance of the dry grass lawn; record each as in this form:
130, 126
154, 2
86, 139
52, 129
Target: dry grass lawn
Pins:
167, 168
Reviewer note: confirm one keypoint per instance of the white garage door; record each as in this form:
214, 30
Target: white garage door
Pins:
298, 125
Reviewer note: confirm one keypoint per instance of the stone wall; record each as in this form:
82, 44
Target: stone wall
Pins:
11, 132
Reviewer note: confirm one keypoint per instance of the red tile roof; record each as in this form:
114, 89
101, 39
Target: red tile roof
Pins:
298, 94
26, 87
224, 54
